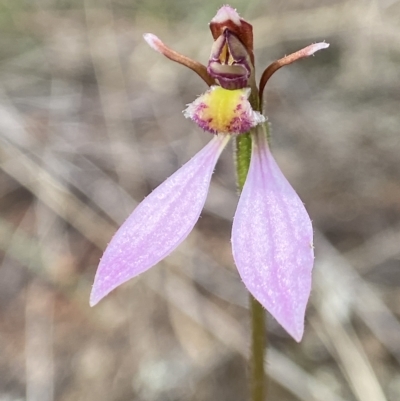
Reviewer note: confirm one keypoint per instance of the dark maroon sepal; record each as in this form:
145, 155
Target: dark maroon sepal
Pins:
229, 62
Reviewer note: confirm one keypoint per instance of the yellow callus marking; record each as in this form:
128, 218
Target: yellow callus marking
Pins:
222, 105
221, 110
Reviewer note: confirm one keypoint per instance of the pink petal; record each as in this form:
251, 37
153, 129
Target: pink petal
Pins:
159, 224
272, 241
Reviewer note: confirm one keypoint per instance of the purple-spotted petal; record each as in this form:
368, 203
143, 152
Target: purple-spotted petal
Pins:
272, 241
159, 224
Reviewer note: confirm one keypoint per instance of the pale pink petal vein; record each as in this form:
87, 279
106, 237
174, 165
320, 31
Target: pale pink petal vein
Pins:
159, 223
272, 241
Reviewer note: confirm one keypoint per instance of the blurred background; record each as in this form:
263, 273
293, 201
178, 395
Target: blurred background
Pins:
91, 121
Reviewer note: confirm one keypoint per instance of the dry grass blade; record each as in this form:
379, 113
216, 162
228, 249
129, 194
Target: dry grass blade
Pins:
376, 251
355, 294
112, 84
39, 340
230, 333
51, 192
335, 295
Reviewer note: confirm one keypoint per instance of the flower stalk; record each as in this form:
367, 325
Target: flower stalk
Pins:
259, 341
258, 376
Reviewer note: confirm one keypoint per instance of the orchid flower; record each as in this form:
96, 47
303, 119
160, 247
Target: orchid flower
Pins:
272, 236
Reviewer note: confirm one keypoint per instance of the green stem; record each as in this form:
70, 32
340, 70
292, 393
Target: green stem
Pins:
257, 314
242, 158
258, 350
